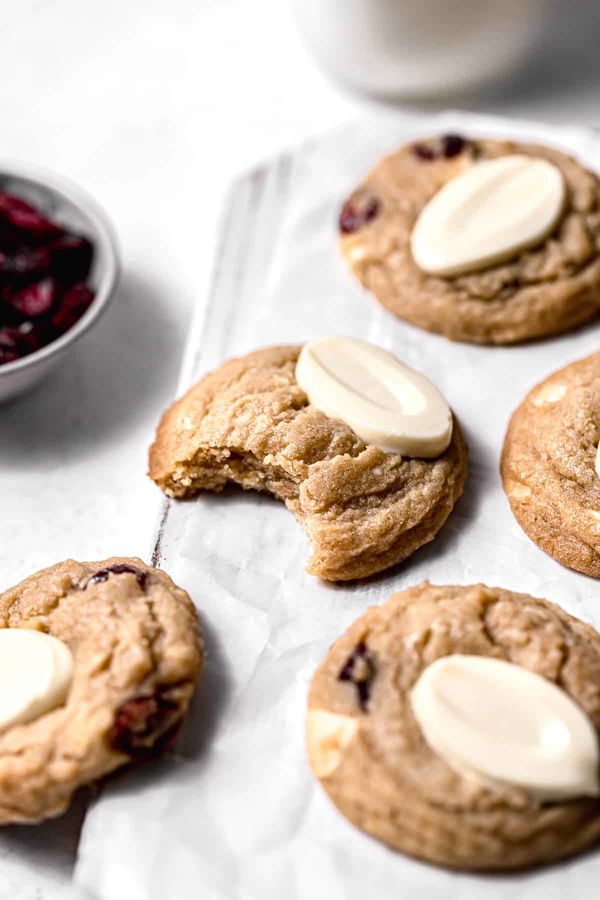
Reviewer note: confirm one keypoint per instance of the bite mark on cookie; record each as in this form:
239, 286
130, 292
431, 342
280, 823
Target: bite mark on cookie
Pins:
362, 508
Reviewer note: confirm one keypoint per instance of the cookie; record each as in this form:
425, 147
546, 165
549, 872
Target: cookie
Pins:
136, 653
370, 754
549, 465
540, 291
250, 423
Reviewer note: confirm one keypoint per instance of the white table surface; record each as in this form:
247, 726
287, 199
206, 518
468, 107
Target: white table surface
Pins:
154, 107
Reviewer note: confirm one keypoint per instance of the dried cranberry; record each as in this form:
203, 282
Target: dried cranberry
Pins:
359, 668
118, 569
32, 336
34, 300
359, 209
43, 271
423, 151
144, 724
9, 345
72, 306
449, 145
8, 314
19, 341
71, 258
452, 145
20, 215
8, 336
25, 261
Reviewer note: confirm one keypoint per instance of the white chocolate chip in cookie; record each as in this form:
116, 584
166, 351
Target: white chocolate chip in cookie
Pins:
507, 727
518, 491
357, 254
382, 400
549, 393
35, 673
488, 214
328, 735
597, 465
596, 517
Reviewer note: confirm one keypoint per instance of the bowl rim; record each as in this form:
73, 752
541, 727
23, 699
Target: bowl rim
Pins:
104, 236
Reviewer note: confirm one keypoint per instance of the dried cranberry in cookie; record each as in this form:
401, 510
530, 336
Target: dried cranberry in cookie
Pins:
359, 669
118, 569
143, 724
446, 147
358, 210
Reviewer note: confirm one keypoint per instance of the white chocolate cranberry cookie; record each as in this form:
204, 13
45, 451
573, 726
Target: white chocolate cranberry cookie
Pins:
551, 466
364, 451
460, 725
486, 241
105, 657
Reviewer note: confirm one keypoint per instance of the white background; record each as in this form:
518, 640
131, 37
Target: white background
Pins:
153, 107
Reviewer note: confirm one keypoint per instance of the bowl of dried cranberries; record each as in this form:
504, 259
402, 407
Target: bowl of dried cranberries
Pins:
58, 270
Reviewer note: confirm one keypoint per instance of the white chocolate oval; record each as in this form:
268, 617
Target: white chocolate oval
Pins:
488, 214
383, 401
36, 670
505, 726
598, 461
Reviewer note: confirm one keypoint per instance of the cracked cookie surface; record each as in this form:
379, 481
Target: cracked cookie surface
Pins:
542, 291
137, 656
548, 465
366, 747
250, 423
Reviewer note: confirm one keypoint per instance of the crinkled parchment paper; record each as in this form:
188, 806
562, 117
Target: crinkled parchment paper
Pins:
235, 813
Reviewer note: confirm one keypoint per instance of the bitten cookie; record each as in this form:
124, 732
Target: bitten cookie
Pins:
549, 467
371, 703
112, 654
548, 286
251, 423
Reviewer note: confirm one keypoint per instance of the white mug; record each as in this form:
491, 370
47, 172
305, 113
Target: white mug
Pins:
418, 48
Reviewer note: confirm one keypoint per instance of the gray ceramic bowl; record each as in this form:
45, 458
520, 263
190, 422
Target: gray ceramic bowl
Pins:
72, 208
